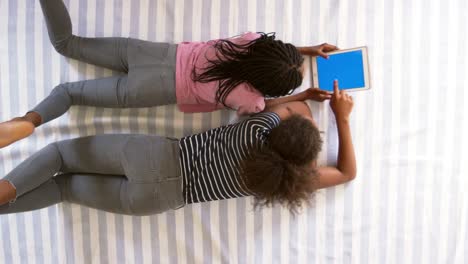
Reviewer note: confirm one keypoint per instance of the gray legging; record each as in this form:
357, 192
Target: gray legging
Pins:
127, 174
148, 69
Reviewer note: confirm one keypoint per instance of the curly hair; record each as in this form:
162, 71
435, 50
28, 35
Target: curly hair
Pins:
280, 171
270, 66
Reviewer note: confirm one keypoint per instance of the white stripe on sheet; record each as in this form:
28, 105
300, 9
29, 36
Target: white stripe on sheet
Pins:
433, 74
413, 35
448, 198
376, 126
395, 85
408, 204
461, 254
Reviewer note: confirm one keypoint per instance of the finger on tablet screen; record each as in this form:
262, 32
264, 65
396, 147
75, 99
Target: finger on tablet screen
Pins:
336, 90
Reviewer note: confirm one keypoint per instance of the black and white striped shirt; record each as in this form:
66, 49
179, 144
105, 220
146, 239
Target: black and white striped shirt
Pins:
210, 160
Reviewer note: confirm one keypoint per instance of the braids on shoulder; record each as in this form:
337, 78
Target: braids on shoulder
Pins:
269, 65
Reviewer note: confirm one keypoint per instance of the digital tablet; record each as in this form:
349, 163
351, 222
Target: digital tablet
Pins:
350, 67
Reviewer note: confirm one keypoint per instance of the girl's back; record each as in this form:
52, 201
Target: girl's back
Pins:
210, 161
200, 96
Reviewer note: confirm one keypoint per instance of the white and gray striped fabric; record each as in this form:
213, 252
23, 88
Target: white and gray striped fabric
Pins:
408, 203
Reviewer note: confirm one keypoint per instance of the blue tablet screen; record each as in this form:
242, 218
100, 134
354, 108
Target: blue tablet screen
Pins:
347, 68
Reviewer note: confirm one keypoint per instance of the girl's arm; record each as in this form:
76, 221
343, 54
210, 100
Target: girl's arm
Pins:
269, 103
341, 104
346, 167
309, 94
285, 110
319, 50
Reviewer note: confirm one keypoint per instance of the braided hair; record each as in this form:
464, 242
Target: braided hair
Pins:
270, 66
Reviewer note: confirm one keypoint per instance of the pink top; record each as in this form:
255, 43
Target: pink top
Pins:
200, 97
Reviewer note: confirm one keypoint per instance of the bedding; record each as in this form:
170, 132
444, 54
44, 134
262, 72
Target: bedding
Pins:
408, 203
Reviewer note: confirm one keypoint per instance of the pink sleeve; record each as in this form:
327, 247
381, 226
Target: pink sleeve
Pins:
241, 39
251, 106
246, 99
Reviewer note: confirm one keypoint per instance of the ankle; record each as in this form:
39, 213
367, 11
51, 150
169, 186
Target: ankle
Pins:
7, 192
33, 117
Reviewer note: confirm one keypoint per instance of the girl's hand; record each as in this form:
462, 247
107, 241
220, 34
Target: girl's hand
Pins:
319, 50
341, 103
317, 95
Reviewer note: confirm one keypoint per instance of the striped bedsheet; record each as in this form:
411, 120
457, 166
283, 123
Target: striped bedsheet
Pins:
408, 203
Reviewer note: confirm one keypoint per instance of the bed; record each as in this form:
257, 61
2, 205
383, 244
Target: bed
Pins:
408, 203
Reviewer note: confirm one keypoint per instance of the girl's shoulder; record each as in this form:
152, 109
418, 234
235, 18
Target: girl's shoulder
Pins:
263, 121
244, 38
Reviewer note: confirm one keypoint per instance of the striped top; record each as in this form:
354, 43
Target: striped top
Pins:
210, 161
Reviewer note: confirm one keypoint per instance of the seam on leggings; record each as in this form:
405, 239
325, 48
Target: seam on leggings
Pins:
119, 96
69, 96
55, 145
126, 66
145, 181
64, 193
121, 199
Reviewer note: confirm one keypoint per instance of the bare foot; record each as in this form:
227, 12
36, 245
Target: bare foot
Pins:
7, 192
14, 130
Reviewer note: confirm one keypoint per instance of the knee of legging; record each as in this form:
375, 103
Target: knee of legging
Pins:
64, 45
52, 147
53, 150
60, 89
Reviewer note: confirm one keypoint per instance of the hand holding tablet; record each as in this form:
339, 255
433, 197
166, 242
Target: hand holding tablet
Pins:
321, 50
350, 67
318, 95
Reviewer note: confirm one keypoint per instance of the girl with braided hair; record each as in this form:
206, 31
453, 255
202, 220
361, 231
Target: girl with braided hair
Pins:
237, 73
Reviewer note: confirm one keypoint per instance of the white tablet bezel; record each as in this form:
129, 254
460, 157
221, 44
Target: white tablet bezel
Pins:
365, 61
